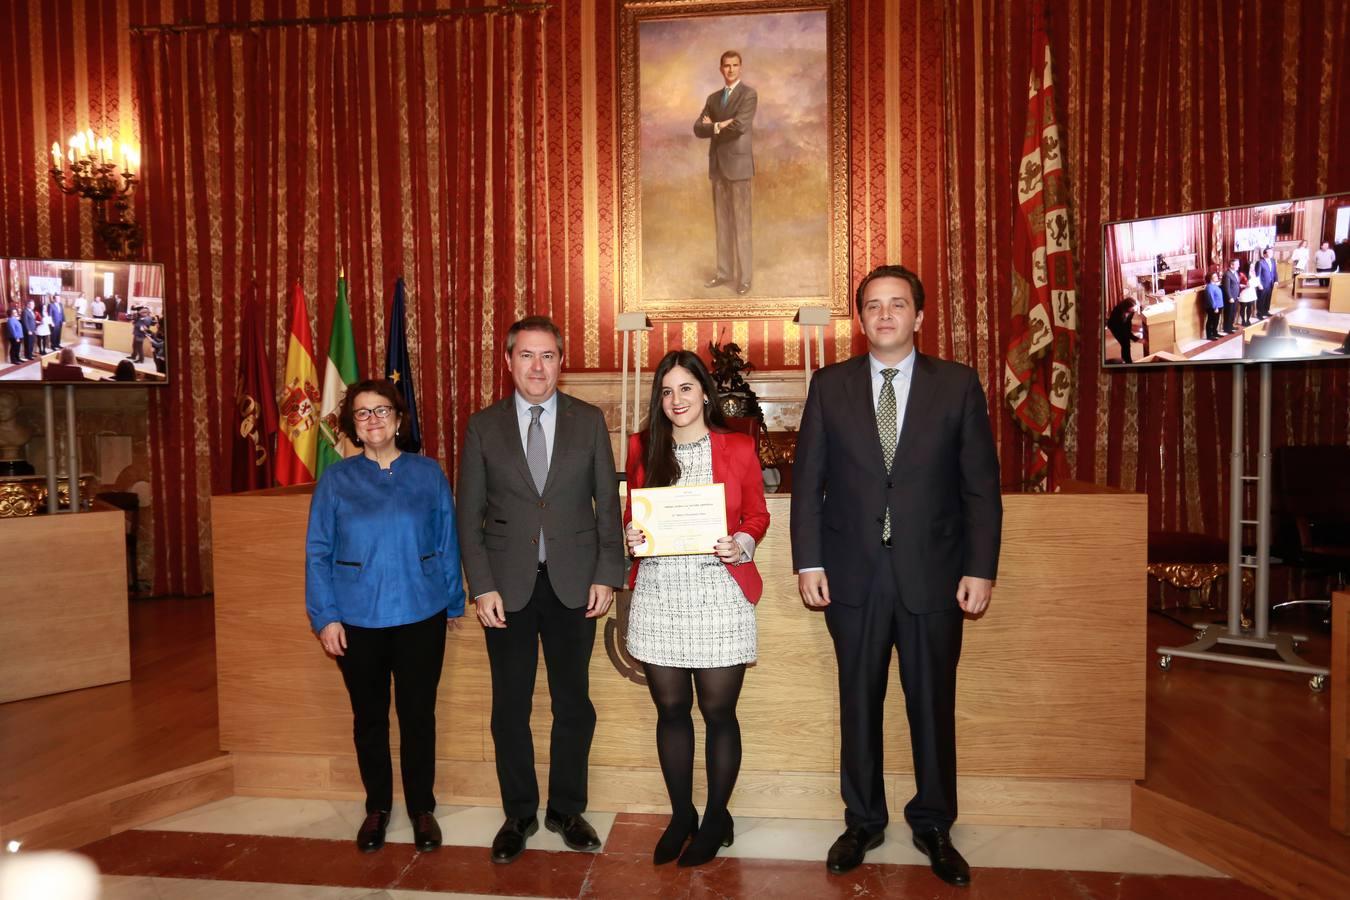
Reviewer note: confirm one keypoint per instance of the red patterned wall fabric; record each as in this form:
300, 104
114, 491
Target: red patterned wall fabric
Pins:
285, 152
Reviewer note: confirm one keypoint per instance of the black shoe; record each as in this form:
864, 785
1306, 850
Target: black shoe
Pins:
426, 831
371, 835
851, 847
510, 840
575, 831
716, 833
672, 839
743, 288
715, 282
946, 862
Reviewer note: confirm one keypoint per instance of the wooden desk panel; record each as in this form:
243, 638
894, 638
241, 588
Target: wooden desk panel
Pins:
1340, 292
1050, 715
63, 625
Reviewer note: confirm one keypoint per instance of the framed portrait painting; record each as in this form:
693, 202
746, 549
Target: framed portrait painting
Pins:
733, 171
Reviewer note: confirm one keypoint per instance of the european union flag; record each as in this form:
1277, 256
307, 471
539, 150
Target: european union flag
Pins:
398, 368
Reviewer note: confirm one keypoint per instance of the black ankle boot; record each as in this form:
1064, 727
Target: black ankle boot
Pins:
717, 832
672, 840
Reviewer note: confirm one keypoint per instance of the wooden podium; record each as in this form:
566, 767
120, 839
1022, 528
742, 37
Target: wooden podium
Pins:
1050, 715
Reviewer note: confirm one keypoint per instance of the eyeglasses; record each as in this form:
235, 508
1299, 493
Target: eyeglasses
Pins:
379, 412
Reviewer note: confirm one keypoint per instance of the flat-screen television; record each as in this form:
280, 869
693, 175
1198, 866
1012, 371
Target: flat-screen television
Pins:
80, 321
1262, 283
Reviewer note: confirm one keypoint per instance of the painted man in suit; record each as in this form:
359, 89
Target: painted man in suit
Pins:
1266, 273
727, 123
896, 521
541, 541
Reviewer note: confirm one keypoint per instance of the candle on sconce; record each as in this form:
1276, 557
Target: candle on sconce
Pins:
56, 155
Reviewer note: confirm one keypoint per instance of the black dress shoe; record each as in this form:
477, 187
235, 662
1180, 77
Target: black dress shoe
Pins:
672, 840
716, 833
426, 831
743, 288
715, 282
576, 832
851, 847
946, 862
510, 840
370, 837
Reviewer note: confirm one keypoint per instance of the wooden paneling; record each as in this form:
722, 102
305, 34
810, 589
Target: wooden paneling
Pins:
1050, 715
63, 613
1246, 854
1340, 711
97, 816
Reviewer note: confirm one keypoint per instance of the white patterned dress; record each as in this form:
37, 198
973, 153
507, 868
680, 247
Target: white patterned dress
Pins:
688, 612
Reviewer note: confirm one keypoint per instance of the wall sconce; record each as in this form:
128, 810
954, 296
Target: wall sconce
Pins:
808, 318
630, 323
89, 169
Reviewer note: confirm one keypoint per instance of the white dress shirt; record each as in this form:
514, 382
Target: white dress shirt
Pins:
1326, 260
548, 419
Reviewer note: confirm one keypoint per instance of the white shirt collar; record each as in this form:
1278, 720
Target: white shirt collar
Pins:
906, 365
523, 406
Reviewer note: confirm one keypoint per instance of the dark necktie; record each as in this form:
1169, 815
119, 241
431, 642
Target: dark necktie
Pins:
888, 428
726, 96
536, 455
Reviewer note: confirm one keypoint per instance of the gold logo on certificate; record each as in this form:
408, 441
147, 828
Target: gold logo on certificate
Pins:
679, 521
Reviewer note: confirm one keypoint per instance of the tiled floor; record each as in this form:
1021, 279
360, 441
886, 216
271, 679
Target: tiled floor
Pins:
301, 850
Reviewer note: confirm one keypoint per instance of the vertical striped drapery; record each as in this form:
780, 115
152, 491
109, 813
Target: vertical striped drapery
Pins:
279, 155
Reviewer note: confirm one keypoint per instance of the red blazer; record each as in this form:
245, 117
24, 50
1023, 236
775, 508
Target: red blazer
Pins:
735, 464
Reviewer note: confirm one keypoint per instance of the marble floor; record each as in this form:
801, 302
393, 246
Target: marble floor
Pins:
246, 847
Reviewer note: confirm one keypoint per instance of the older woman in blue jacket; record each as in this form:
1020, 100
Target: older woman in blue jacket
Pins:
382, 576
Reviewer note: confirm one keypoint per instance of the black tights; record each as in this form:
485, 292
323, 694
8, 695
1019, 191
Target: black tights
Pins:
718, 691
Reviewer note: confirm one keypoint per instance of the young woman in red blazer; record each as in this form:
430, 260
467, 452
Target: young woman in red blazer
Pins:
692, 621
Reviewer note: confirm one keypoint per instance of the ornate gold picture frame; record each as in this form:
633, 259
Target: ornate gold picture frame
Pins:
698, 162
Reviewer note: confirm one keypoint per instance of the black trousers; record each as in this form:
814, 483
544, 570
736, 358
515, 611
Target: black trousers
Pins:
1263, 296
1211, 323
412, 654
930, 647
513, 655
1229, 308
56, 335
14, 350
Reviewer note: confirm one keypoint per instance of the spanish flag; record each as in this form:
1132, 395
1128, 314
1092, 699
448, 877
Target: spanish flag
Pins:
298, 403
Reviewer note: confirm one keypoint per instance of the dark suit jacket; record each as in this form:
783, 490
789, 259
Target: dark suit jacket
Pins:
500, 512
1266, 271
1232, 285
730, 151
29, 320
942, 491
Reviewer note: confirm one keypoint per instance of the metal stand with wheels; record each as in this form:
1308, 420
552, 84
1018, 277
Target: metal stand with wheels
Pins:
1260, 637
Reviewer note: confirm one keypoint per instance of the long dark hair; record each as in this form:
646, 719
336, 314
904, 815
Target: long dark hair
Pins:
658, 440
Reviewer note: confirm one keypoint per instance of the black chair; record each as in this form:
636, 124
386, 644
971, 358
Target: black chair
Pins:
1312, 513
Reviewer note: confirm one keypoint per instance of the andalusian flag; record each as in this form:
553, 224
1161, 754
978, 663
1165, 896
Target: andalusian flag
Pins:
340, 372
1039, 374
298, 404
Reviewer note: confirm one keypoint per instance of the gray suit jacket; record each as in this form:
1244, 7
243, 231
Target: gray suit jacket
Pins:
730, 151
500, 511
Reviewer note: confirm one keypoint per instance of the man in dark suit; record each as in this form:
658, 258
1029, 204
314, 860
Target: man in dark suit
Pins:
896, 518
1265, 271
727, 123
1232, 287
541, 541
29, 319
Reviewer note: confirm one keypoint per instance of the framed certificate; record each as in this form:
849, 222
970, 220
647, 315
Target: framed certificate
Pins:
679, 521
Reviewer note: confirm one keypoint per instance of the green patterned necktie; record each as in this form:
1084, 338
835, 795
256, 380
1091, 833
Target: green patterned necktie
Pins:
887, 428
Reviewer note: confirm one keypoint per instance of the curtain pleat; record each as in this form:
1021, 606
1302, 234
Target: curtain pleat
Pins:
383, 149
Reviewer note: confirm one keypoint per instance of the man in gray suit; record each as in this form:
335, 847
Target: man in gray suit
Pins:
538, 507
727, 122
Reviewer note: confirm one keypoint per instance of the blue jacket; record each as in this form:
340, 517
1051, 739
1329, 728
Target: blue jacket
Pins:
58, 313
382, 548
1265, 270
1215, 296
15, 328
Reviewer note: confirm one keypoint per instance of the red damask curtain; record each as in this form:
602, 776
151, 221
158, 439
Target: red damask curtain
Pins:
276, 155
